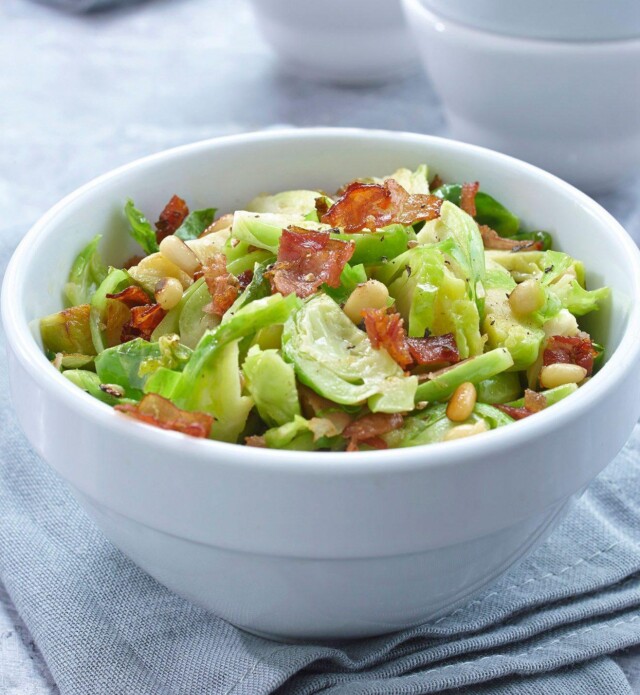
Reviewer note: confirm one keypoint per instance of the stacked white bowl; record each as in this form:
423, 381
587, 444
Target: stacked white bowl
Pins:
554, 83
350, 42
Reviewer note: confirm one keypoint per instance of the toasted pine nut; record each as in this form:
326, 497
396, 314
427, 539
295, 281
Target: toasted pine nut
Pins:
559, 374
175, 250
527, 297
461, 431
367, 295
114, 390
462, 402
168, 293
221, 223
563, 323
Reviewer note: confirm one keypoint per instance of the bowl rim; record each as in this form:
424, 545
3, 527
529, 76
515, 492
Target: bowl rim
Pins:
499, 41
26, 350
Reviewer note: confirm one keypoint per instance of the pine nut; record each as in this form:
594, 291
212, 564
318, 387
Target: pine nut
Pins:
559, 374
168, 293
527, 297
564, 323
175, 250
462, 402
367, 295
114, 390
461, 431
221, 223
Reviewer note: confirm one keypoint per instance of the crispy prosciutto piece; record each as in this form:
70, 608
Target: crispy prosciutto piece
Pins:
160, 412
130, 262
223, 287
386, 330
140, 321
368, 428
144, 320
244, 279
434, 351
436, 182
371, 206
321, 206
173, 215
306, 260
570, 350
492, 240
533, 403
517, 413
131, 296
468, 198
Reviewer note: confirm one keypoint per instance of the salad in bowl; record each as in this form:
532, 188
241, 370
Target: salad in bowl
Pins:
395, 312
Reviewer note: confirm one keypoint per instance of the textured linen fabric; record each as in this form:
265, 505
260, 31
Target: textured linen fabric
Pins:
86, 5
104, 626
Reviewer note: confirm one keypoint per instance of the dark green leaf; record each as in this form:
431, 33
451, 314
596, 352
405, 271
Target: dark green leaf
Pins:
195, 223
141, 229
488, 210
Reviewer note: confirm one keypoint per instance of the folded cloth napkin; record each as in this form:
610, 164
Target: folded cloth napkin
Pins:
105, 627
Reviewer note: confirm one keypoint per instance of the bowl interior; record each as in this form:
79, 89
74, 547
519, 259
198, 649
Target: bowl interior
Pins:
228, 173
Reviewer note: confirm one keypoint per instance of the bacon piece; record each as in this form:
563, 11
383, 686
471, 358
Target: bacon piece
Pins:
534, 401
570, 350
386, 330
130, 262
256, 440
370, 206
173, 215
492, 240
131, 296
222, 285
436, 183
321, 206
244, 279
517, 413
468, 198
368, 429
160, 412
144, 320
306, 259
434, 351
375, 442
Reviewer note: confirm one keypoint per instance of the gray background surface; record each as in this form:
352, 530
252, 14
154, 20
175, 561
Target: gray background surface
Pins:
81, 95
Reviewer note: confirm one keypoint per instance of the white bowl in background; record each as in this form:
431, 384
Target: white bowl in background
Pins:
572, 108
350, 42
321, 545
565, 20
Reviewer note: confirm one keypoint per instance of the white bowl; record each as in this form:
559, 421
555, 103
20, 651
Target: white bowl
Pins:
350, 42
319, 545
568, 20
570, 107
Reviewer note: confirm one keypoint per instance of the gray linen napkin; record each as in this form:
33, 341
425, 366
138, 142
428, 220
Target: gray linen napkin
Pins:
86, 5
105, 627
